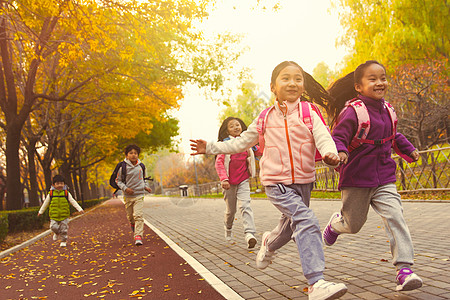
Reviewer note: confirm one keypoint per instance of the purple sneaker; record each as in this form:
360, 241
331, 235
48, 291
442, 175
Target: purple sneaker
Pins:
407, 280
329, 237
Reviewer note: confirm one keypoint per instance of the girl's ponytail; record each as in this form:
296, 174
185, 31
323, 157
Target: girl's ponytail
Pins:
315, 92
341, 90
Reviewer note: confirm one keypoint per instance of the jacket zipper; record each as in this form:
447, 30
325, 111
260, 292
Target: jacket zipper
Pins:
289, 148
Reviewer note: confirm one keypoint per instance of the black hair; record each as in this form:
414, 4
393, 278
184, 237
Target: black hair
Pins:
343, 89
132, 147
223, 131
58, 178
314, 91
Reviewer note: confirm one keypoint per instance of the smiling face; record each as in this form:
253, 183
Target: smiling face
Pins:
373, 83
289, 84
59, 185
234, 128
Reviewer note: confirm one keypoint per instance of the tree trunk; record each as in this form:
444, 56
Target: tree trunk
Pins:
32, 175
13, 184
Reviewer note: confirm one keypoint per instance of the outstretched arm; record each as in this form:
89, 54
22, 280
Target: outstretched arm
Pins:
198, 146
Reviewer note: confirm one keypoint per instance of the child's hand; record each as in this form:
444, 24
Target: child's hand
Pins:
331, 159
148, 189
129, 191
199, 146
415, 155
343, 157
81, 211
225, 185
39, 214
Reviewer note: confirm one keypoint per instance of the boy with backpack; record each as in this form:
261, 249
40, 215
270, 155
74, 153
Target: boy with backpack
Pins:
59, 198
130, 179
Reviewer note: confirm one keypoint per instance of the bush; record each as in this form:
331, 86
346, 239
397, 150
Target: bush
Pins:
24, 219
27, 219
3, 226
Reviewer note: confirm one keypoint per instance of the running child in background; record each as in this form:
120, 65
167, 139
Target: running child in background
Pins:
287, 169
133, 187
367, 174
59, 198
234, 172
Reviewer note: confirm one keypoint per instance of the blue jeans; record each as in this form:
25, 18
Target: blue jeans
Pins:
298, 222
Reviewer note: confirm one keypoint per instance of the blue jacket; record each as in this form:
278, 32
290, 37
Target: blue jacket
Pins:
368, 165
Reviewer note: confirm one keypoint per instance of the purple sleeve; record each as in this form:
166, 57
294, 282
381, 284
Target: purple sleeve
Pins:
345, 130
403, 144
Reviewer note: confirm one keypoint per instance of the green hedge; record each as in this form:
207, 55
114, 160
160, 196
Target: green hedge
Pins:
27, 219
3, 226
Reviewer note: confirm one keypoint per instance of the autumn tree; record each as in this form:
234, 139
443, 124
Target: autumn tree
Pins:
420, 96
247, 105
323, 74
122, 58
394, 32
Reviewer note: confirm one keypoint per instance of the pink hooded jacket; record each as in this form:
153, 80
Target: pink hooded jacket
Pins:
290, 146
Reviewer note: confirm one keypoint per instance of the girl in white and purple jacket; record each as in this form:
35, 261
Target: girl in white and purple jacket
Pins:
234, 171
287, 170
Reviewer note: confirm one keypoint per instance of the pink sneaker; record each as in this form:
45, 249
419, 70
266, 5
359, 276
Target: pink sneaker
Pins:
407, 280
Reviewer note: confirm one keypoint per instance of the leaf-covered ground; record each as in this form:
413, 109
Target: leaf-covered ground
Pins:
101, 261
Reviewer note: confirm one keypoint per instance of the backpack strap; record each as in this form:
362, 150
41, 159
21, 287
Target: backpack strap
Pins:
66, 194
143, 170
305, 111
362, 115
261, 126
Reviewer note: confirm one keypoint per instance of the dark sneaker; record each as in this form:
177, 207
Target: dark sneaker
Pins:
251, 240
138, 240
329, 237
407, 280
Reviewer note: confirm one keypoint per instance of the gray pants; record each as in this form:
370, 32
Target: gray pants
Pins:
298, 222
241, 193
61, 228
386, 202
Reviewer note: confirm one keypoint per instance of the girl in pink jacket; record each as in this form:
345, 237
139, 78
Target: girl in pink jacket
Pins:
234, 172
287, 171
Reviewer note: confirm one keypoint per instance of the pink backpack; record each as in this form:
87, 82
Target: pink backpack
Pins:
364, 126
305, 110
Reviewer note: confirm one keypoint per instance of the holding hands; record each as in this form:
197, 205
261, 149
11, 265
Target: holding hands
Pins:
331, 159
415, 155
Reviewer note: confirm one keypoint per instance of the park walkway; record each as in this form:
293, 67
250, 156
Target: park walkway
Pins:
185, 256
362, 261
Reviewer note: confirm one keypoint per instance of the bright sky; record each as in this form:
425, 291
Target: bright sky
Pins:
304, 31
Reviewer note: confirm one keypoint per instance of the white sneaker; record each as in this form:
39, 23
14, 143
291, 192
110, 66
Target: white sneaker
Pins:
264, 256
228, 236
325, 290
55, 237
251, 240
63, 244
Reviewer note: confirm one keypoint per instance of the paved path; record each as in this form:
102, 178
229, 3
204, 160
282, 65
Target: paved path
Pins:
101, 261
362, 261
